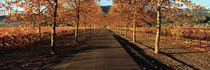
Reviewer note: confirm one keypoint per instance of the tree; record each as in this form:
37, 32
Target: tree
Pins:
143, 12
157, 41
32, 12
168, 7
88, 10
133, 7
77, 3
53, 29
60, 11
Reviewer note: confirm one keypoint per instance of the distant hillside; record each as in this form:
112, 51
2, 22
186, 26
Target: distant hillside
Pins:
105, 9
205, 12
2, 17
5, 24
202, 12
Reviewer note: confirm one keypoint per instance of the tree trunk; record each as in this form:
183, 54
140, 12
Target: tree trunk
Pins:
157, 41
76, 31
3, 44
90, 27
39, 23
134, 23
39, 32
85, 29
126, 31
120, 30
78, 18
85, 25
115, 30
94, 27
53, 35
134, 31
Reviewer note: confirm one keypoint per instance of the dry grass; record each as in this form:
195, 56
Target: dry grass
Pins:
7, 31
190, 33
13, 37
197, 38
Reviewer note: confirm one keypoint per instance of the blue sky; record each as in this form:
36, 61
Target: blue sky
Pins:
105, 2
205, 3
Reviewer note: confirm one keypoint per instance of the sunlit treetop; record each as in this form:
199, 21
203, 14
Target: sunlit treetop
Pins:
144, 11
42, 10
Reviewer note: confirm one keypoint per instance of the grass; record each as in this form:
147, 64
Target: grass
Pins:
13, 37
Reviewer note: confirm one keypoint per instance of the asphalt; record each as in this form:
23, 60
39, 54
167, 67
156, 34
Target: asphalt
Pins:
101, 52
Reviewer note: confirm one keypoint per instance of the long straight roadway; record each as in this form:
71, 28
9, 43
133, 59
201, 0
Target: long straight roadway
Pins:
101, 52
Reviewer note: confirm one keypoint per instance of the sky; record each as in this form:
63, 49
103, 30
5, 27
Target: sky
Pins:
105, 2
205, 3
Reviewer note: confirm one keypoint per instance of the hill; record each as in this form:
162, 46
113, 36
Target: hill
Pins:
105, 9
2, 17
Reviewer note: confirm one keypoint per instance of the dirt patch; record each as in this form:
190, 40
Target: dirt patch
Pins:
173, 56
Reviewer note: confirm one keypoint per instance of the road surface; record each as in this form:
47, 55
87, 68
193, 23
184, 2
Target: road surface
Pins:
100, 52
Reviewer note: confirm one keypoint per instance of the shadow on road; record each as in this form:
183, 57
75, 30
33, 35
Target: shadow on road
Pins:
144, 61
168, 54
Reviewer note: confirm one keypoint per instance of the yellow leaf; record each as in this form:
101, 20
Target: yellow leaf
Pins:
167, 6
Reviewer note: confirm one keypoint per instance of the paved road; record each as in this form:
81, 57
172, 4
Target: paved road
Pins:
102, 52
